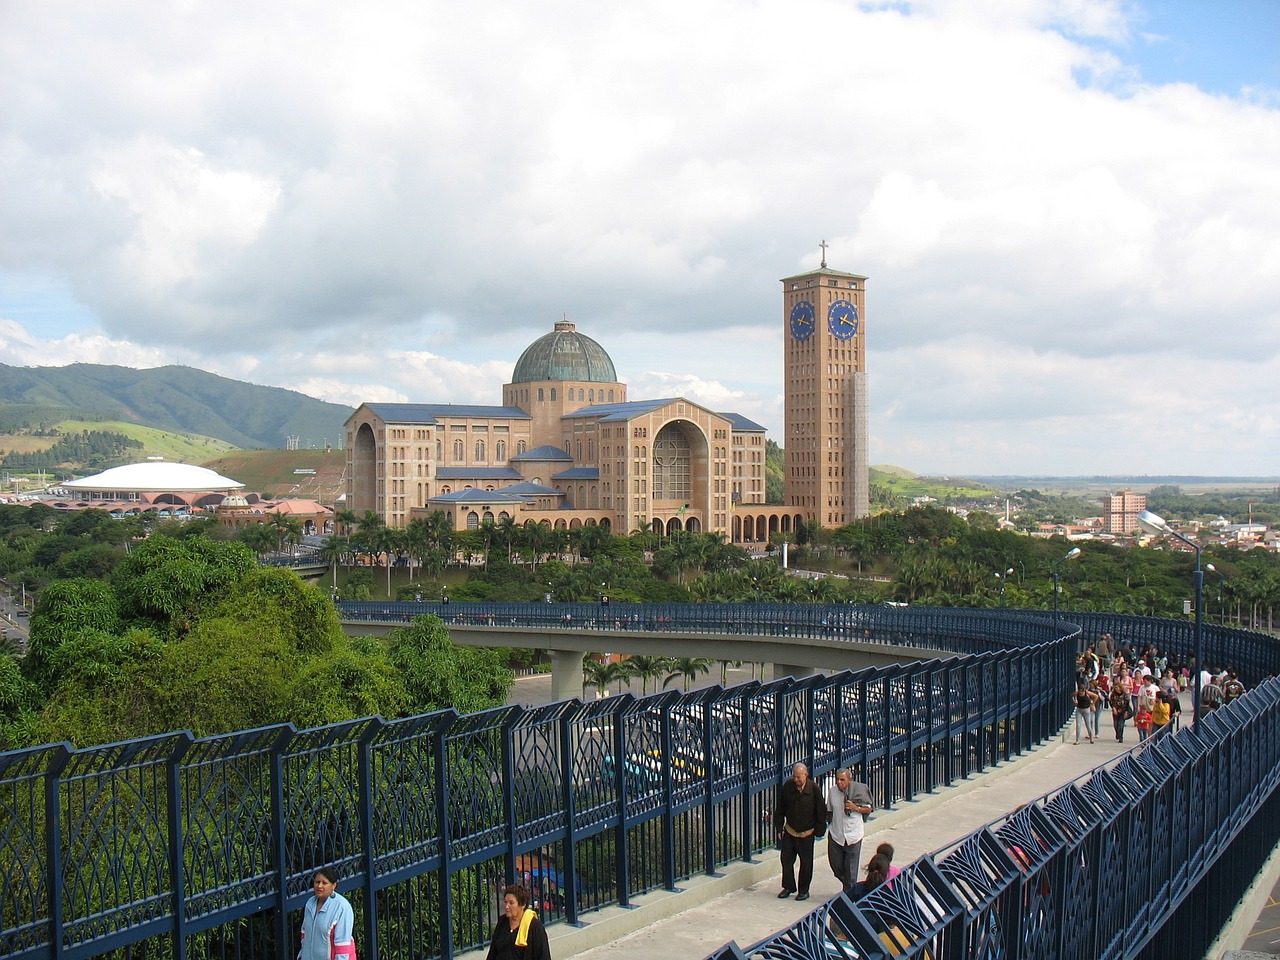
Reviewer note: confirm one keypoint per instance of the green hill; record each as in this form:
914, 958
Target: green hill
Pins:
181, 400
178, 447
308, 474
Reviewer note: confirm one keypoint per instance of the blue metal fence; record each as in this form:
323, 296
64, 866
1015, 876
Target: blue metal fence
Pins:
1143, 859
174, 847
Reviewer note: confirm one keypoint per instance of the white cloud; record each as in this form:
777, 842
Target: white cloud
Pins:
390, 201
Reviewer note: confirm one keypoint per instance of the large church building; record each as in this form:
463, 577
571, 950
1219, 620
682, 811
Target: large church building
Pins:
568, 448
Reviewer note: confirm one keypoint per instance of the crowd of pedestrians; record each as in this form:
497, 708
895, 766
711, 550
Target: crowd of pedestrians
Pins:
1141, 685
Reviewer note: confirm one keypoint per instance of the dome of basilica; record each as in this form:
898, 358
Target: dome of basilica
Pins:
564, 354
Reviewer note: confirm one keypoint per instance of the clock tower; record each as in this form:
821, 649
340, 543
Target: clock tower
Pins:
826, 395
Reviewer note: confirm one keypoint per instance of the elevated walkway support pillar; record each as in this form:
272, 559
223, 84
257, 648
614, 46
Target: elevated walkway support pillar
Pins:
566, 674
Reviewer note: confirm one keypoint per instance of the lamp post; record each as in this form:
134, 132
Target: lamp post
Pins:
1071, 555
1221, 580
1003, 578
1153, 523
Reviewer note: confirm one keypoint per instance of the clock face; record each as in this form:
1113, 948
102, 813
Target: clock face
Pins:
802, 320
842, 320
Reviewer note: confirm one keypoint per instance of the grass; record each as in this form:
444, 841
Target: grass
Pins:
272, 471
181, 447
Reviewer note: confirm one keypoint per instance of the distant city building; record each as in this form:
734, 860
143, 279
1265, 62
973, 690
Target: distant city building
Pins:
1120, 512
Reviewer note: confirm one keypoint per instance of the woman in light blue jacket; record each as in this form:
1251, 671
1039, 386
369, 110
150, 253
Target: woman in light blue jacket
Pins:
327, 921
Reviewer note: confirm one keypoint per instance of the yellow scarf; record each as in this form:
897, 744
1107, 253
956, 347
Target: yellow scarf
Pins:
522, 934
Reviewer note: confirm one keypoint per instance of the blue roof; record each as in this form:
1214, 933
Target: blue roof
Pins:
741, 424
620, 411
433, 412
578, 473
477, 473
545, 452
531, 489
485, 496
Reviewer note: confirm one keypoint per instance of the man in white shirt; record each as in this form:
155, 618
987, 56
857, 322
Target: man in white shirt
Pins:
848, 804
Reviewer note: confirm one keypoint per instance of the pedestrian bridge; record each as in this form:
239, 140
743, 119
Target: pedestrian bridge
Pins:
172, 846
798, 640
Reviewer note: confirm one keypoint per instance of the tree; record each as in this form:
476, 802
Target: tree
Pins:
601, 673
165, 582
689, 668
332, 551
647, 668
67, 609
437, 673
386, 541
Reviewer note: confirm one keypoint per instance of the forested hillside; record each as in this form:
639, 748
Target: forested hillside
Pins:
179, 399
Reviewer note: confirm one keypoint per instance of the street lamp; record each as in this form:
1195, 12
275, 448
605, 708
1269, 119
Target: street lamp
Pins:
1222, 578
1071, 555
1003, 577
1154, 523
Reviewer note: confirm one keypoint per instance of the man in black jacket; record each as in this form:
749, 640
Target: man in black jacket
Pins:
800, 818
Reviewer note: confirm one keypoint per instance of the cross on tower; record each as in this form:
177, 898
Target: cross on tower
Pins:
823, 245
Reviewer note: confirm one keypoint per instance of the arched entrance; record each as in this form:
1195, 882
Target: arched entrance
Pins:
364, 471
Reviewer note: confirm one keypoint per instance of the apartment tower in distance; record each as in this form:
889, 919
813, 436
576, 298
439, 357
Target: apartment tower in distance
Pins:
826, 395
1120, 512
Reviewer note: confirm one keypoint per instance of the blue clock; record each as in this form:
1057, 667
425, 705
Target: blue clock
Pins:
842, 320
802, 320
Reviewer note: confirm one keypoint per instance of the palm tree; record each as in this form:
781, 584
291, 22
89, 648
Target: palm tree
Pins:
387, 541
417, 541
260, 538
648, 668
689, 668
333, 551
347, 520
599, 674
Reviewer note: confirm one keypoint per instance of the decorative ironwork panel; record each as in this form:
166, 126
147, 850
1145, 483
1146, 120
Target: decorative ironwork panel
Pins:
474, 791
116, 870
25, 882
405, 785
228, 844
322, 803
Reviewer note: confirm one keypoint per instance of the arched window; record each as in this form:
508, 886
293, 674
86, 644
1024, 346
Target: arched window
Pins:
553, 394
591, 396
519, 447
439, 450
457, 451
473, 520
581, 396
488, 516
479, 451
611, 396
500, 451
540, 395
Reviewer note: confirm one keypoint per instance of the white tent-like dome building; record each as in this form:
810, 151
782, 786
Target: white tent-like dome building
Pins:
154, 477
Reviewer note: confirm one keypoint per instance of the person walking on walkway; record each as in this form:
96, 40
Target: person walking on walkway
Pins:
1084, 700
848, 803
800, 818
327, 920
1121, 710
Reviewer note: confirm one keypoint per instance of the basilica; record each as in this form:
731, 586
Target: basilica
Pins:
568, 448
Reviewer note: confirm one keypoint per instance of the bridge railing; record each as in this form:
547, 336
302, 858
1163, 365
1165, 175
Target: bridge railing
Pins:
1144, 858
170, 846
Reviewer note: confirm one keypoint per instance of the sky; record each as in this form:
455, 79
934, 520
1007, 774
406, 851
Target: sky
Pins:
1068, 210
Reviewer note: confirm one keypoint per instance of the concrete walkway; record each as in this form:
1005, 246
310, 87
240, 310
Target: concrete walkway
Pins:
742, 904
